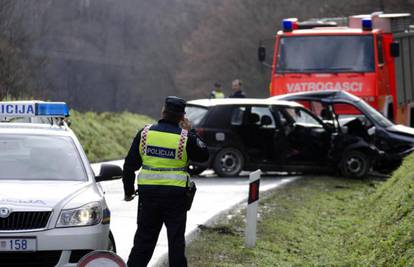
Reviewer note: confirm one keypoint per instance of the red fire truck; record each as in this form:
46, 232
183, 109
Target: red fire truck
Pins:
371, 57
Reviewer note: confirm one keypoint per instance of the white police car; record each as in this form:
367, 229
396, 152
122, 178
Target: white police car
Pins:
52, 211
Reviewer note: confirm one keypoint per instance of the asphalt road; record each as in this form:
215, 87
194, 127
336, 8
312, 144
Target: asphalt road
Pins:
214, 196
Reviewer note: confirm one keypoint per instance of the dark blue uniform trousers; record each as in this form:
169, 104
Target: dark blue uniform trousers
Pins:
152, 213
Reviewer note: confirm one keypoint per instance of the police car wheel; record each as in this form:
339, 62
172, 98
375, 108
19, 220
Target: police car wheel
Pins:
111, 243
228, 162
355, 164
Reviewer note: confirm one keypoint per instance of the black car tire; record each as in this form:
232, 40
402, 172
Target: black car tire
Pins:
228, 162
111, 243
195, 170
355, 164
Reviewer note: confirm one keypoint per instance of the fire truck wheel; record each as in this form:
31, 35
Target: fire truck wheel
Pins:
355, 164
228, 162
111, 243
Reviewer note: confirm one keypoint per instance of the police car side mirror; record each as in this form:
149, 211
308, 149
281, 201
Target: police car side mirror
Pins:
109, 172
395, 49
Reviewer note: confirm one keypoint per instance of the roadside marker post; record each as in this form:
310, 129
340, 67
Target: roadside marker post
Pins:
252, 205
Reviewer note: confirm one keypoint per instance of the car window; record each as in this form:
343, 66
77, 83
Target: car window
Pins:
238, 115
35, 157
283, 118
317, 108
195, 114
305, 103
302, 117
375, 114
218, 117
342, 109
261, 113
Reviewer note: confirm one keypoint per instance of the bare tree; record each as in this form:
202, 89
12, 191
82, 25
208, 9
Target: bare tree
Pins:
16, 65
132, 53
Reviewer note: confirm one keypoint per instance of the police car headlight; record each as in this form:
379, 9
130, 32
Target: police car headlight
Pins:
89, 214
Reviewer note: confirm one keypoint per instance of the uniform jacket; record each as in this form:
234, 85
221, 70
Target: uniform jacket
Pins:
196, 151
238, 94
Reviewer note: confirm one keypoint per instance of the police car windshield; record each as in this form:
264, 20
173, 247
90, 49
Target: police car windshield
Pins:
313, 54
38, 157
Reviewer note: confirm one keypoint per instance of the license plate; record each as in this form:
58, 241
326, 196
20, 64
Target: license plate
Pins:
18, 244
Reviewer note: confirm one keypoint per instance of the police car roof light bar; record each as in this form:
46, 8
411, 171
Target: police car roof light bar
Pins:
33, 109
52, 109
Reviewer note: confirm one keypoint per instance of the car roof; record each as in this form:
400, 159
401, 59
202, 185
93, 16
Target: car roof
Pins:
242, 101
331, 95
34, 128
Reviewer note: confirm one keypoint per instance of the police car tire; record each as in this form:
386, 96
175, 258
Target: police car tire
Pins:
111, 243
231, 156
355, 164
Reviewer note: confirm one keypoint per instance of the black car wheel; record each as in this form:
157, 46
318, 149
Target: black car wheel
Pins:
355, 164
228, 162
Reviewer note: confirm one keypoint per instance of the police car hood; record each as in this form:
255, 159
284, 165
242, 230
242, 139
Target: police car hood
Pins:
39, 194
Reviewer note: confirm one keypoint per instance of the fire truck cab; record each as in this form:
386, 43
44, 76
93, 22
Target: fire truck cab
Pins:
366, 55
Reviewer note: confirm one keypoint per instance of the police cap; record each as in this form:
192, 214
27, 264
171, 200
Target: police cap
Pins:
174, 104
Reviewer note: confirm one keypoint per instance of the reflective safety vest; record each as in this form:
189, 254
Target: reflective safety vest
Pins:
217, 94
164, 158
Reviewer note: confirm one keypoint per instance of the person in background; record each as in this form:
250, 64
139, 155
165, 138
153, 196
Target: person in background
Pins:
217, 92
236, 85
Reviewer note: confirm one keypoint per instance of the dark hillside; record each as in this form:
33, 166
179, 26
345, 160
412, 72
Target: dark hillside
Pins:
129, 54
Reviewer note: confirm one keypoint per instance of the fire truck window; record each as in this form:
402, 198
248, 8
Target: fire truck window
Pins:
302, 54
380, 50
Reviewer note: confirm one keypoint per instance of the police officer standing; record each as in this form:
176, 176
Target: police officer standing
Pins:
236, 86
163, 151
217, 92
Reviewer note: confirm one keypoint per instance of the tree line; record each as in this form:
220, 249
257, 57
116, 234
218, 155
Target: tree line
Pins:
105, 55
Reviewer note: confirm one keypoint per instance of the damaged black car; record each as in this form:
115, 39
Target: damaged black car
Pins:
353, 116
274, 135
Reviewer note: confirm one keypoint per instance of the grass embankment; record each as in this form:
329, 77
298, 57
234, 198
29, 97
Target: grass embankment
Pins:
321, 221
106, 136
